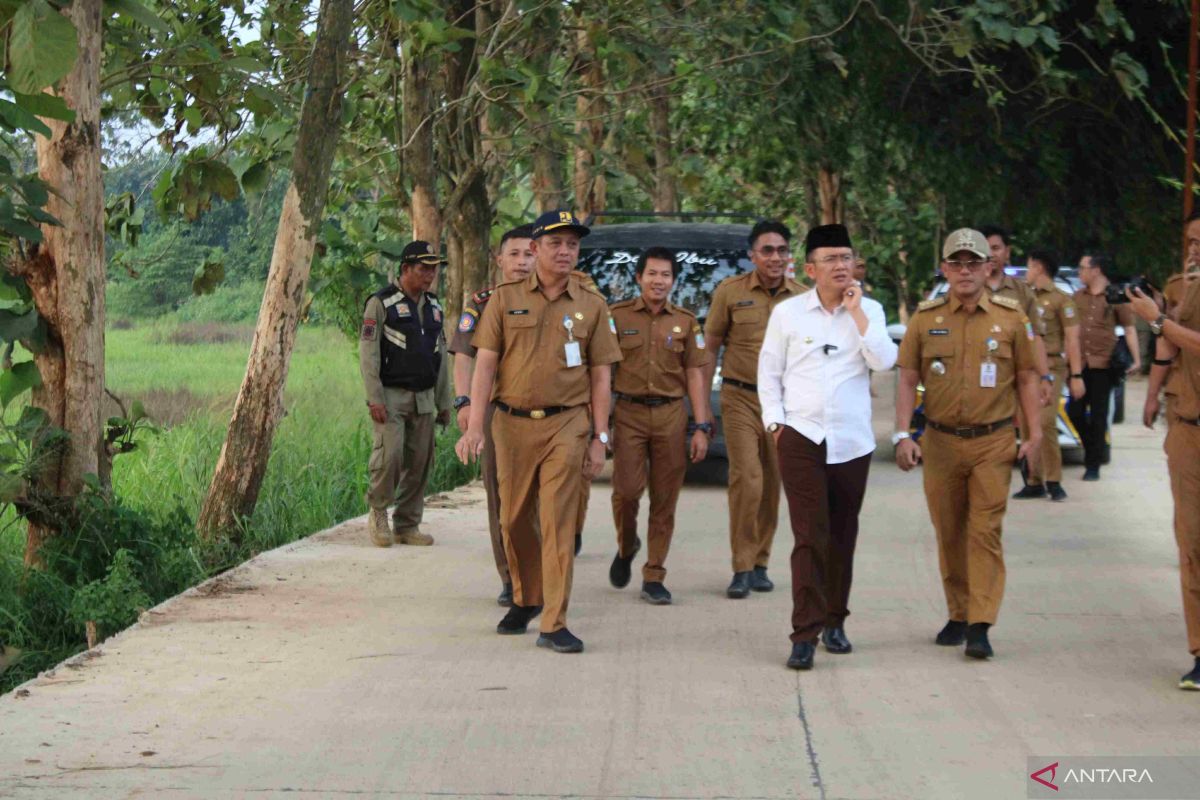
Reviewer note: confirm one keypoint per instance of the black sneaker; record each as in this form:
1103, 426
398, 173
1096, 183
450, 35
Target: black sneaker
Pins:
618, 573
517, 619
1191, 681
561, 641
977, 641
1057, 493
654, 593
1092, 474
802, 655
505, 597
1030, 492
954, 634
759, 581
739, 587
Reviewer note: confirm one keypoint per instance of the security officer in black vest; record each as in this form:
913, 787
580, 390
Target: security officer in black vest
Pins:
405, 370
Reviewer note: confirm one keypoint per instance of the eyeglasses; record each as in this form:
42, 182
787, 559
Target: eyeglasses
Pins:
783, 251
829, 261
970, 265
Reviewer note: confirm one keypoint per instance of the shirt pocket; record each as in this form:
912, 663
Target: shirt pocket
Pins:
936, 349
749, 315
1003, 351
520, 324
631, 343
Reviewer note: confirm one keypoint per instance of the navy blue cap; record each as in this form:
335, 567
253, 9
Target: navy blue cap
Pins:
560, 220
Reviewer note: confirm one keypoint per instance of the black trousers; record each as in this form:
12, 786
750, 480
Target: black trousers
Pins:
823, 502
1089, 414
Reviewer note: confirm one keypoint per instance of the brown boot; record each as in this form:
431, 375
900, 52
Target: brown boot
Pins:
377, 526
414, 537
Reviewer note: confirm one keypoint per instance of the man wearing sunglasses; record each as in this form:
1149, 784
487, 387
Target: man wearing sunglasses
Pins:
975, 356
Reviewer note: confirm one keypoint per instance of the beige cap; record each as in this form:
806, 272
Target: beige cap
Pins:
966, 239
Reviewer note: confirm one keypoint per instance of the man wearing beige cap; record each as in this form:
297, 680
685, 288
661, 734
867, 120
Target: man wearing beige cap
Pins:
975, 356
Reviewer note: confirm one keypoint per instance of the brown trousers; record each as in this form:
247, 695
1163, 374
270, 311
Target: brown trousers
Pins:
823, 503
401, 456
491, 486
1183, 463
656, 436
753, 479
966, 488
1050, 465
540, 466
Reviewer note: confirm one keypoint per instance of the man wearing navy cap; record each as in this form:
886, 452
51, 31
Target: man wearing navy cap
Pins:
402, 357
544, 346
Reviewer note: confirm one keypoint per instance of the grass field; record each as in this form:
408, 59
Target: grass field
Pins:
187, 377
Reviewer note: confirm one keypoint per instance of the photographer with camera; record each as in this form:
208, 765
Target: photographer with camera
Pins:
1101, 309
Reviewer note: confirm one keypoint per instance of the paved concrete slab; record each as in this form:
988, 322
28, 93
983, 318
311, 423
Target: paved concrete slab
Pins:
330, 667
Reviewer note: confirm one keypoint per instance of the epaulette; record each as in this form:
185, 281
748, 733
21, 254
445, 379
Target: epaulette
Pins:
1007, 302
685, 311
621, 304
587, 282
482, 295
925, 305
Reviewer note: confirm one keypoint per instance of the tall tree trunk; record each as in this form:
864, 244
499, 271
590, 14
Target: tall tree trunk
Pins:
243, 461
666, 197
67, 275
425, 213
829, 184
591, 187
547, 186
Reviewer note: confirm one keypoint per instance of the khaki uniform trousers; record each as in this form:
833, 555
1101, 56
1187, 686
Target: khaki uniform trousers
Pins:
656, 436
540, 466
401, 456
753, 479
1050, 464
966, 488
491, 486
1183, 462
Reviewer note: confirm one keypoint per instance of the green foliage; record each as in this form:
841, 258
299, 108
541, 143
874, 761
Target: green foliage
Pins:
41, 46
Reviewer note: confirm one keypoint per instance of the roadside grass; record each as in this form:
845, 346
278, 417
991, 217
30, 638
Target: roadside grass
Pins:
317, 477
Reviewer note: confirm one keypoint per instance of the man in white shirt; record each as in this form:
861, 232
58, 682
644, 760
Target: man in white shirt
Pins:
814, 384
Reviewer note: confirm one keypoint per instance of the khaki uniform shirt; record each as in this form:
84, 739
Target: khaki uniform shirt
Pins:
1098, 321
528, 332
464, 332
1056, 310
1184, 384
439, 398
656, 349
1176, 286
1022, 293
738, 315
949, 347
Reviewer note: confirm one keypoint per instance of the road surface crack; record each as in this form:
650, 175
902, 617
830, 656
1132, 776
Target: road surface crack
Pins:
813, 764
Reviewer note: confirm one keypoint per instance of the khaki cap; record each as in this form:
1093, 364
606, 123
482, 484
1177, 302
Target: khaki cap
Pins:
966, 239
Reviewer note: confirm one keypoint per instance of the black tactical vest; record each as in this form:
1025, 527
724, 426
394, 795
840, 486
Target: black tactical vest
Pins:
408, 347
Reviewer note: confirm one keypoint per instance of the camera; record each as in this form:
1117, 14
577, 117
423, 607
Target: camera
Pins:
1115, 294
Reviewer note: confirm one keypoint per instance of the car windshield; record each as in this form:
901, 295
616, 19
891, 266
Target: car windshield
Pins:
614, 272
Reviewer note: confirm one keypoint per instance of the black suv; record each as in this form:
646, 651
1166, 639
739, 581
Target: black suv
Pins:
709, 253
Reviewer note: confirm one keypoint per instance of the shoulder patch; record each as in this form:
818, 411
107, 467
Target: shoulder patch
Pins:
466, 323
1007, 302
934, 303
482, 295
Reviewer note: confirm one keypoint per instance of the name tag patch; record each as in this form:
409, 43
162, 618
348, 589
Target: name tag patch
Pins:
742, 303
629, 333
939, 332
518, 312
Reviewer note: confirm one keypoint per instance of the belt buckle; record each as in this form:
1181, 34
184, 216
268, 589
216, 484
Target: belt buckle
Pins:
537, 413
964, 433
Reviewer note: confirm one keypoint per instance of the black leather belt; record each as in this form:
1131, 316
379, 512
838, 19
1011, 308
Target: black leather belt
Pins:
969, 433
647, 400
749, 387
535, 413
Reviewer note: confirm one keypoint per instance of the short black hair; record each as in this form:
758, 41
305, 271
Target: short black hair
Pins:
989, 231
1103, 262
519, 232
1047, 259
766, 226
661, 253
1192, 217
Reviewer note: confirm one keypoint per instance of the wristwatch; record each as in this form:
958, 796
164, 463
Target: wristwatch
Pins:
1048, 378
602, 436
1076, 375
1156, 327
900, 436
706, 427
461, 401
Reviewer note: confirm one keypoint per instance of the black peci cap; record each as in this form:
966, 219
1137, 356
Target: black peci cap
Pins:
826, 236
420, 252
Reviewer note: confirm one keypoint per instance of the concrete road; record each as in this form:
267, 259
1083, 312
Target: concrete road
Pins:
331, 668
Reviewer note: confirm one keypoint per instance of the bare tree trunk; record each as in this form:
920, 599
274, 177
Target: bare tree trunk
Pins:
666, 196
67, 275
547, 176
829, 184
426, 215
243, 461
590, 184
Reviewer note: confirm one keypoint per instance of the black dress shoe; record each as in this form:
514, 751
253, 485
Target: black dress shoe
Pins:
561, 641
739, 587
759, 581
505, 596
1030, 492
578, 542
517, 619
654, 593
1091, 474
954, 634
977, 641
802, 655
618, 573
1057, 494
1191, 681
835, 641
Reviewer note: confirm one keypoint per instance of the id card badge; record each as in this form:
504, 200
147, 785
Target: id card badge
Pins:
987, 375
575, 359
